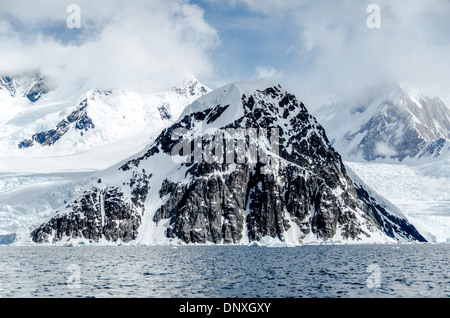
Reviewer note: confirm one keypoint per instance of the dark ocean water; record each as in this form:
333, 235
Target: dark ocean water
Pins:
321, 271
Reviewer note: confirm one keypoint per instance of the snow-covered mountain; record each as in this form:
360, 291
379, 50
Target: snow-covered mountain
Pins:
66, 125
399, 125
244, 162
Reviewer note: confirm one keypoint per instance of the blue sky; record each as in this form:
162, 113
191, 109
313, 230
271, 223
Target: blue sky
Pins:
319, 49
249, 40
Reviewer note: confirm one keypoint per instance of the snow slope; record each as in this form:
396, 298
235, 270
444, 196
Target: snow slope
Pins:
421, 192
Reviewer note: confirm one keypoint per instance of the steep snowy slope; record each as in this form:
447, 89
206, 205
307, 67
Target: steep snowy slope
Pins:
244, 162
397, 126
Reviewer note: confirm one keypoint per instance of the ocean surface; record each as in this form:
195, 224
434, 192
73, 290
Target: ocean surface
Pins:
320, 271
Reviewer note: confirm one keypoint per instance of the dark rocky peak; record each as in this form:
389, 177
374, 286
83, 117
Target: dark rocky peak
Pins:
301, 139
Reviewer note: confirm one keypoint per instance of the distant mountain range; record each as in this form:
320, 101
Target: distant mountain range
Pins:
78, 121
397, 125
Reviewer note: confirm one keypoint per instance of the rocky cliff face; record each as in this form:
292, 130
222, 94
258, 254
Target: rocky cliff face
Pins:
100, 213
243, 162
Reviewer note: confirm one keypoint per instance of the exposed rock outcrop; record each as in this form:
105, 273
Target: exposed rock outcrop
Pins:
78, 119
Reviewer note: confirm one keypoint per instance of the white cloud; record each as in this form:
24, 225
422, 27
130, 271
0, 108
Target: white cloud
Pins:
337, 54
268, 72
143, 45
330, 51
383, 149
